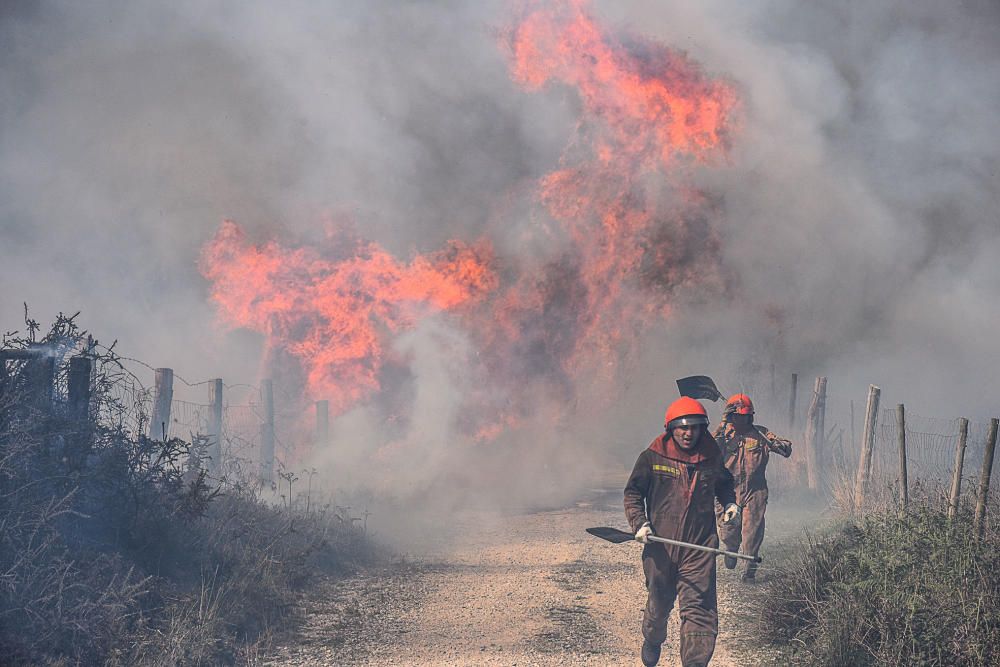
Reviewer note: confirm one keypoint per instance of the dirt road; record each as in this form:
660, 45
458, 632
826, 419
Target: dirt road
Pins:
524, 588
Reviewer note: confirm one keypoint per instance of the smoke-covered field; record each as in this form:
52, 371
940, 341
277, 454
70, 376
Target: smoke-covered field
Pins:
490, 235
490, 227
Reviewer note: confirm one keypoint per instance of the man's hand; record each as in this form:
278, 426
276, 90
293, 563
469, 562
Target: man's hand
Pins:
781, 447
732, 511
642, 535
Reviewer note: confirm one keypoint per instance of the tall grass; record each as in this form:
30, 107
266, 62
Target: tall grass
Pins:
118, 550
910, 588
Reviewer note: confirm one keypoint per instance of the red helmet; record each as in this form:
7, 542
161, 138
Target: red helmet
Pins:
684, 412
739, 404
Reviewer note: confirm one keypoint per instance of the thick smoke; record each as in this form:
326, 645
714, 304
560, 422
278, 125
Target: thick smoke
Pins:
860, 209
131, 130
857, 208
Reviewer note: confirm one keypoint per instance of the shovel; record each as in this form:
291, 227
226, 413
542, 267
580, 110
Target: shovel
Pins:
618, 536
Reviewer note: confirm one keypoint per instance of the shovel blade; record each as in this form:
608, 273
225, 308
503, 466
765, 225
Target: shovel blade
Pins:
611, 534
699, 386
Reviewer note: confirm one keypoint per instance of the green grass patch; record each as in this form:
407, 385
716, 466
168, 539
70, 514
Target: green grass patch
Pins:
888, 590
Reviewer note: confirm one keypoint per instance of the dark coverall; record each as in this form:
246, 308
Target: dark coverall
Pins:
676, 491
746, 454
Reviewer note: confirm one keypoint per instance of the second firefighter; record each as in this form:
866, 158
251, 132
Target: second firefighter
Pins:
746, 449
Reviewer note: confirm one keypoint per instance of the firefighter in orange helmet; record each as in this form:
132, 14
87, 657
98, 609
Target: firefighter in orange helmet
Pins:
746, 448
672, 493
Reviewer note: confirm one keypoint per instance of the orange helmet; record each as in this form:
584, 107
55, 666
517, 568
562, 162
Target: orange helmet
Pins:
684, 412
739, 404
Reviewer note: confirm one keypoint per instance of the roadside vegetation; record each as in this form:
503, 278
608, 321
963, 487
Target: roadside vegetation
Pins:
891, 588
119, 550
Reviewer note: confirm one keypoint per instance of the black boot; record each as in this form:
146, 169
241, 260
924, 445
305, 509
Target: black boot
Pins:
650, 653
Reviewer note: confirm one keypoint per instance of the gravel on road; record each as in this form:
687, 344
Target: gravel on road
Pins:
527, 588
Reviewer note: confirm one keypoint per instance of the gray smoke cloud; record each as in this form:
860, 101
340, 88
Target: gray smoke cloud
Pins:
860, 204
858, 208
130, 131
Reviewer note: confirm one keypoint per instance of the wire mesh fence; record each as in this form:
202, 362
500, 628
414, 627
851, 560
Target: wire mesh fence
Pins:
931, 444
930, 448
127, 407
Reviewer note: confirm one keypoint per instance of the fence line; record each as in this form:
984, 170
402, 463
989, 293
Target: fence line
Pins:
130, 405
930, 449
930, 441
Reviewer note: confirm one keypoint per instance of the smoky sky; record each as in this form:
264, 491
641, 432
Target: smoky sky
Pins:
130, 131
857, 207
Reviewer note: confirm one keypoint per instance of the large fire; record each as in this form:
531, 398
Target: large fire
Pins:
653, 103
632, 235
335, 315
629, 236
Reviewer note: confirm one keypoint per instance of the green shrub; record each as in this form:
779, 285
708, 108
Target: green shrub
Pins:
885, 590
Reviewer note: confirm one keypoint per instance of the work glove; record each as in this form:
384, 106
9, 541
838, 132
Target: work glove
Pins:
642, 535
732, 511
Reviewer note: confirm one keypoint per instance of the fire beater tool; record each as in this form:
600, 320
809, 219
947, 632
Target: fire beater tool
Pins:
702, 386
618, 536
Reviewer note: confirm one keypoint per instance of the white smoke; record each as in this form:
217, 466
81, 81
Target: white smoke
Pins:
858, 207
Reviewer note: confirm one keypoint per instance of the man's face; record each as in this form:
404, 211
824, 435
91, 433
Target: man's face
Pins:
686, 436
741, 422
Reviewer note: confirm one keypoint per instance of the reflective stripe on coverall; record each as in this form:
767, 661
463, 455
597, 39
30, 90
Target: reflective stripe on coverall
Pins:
675, 491
746, 455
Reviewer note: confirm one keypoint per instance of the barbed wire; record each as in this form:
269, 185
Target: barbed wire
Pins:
176, 375
930, 441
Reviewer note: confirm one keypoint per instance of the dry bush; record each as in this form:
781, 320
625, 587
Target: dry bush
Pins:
114, 551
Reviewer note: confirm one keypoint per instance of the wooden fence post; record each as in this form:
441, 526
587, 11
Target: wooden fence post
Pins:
956, 476
815, 432
92, 355
867, 447
904, 493
78, 391
267, 432
40, 370
984, 479
322, 422
78, 387
215, 389
163, 394
791, 401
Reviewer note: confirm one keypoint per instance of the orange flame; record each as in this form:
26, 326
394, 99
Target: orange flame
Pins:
334, 316
629, 236
654, 101
634, 235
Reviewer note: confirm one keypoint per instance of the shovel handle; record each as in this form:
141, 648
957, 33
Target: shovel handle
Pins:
720, 552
